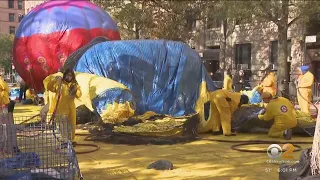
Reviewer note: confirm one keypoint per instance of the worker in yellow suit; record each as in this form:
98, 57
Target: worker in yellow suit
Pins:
66, 85
223, 104
227, 81
269, 82
282, 111
304, 88
30, 94
4, 93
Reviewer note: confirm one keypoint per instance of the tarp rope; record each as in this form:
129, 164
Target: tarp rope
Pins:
52, 120
96, 147
255, 142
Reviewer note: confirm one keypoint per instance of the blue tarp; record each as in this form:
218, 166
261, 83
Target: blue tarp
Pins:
255, 98
22, 160
110, 96
164, 76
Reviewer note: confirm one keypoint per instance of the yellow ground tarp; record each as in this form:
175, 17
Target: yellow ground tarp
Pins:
199, 160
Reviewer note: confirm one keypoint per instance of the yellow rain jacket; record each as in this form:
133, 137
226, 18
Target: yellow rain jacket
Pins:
30, 95
227, 83
222, 109
4, 93
304, 91
66, 104
269, 84
282, 111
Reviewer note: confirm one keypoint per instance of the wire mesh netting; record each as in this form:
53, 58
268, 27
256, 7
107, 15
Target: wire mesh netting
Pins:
31, 148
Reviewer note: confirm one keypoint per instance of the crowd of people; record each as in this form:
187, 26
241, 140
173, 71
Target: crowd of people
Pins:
279, 109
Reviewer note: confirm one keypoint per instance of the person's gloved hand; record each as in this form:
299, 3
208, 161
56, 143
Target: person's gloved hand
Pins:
262, 111
73, 90
58, 78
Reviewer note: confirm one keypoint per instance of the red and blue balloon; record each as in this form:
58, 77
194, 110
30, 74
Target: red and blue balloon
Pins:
52, 31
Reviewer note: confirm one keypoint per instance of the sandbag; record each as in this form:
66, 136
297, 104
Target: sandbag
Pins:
165, 77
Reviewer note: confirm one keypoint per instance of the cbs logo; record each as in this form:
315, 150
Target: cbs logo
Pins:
275, 151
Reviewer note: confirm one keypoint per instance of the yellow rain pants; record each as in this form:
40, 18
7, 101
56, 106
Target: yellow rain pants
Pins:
282, 112
269, 84
4, 93
227, 83
66, 104
304, 91
222, 109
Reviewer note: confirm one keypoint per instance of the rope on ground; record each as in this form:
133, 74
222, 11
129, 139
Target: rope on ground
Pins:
96, 148
254, 142
29, 119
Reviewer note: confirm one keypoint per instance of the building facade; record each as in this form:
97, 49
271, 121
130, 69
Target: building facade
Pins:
253, 46
12, 12
30, 4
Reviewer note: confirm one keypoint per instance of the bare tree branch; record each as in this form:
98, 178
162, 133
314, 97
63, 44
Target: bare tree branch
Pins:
267, 14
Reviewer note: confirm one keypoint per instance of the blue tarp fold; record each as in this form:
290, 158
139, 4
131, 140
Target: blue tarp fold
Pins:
164, 76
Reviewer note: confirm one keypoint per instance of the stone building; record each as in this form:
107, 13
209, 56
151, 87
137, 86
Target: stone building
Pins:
12, 12
253, 46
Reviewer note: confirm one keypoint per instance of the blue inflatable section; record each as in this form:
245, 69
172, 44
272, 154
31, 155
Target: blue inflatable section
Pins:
255, 98
110, 96
164, 76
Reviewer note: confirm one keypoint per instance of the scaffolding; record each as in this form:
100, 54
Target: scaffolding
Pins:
33, 149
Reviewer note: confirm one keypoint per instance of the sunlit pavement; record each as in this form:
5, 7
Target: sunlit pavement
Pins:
196, 160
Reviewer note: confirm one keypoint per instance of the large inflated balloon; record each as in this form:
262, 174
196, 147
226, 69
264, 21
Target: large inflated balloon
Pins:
52, 31
165, 77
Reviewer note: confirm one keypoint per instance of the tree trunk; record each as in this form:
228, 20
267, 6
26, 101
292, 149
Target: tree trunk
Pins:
283, 69
137, 33
223, 44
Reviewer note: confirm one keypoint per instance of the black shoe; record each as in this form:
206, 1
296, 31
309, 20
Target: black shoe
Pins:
74, 144
215, 133
287, 134
232, 134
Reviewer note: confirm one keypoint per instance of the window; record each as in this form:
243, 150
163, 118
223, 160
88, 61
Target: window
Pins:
213, 23
244, 20
20, 17
11, 3
12, 30
19, 4
243, 54
191, 24
191, 20
274, 51
11, 17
